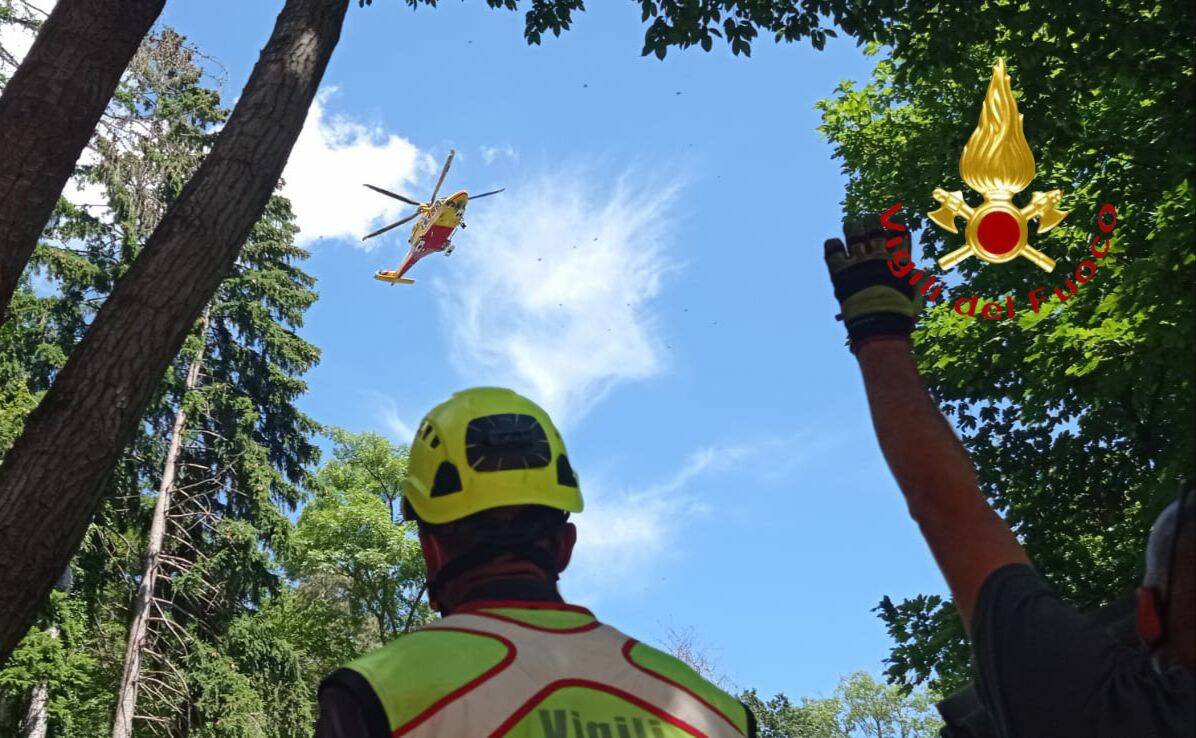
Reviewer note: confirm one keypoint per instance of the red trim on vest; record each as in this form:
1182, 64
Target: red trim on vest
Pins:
439, 704
563, 683
630, 644
518, 605
559, 631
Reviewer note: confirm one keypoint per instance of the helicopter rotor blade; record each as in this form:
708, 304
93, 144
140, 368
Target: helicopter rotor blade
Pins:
487, 194
396, 224
396, 196
443, 173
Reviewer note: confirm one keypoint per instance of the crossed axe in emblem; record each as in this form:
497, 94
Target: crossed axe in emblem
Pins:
1043, 205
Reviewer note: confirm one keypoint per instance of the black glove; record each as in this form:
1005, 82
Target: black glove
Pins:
872, 300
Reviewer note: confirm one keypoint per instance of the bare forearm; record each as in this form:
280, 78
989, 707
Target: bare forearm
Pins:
925, 456
932, 468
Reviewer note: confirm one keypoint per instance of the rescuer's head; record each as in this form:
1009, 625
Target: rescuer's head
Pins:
491, 488
1167, 598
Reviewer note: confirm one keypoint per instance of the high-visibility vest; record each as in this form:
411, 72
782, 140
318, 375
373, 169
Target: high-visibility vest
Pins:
541, 670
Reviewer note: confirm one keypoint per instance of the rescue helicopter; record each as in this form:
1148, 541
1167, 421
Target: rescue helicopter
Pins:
433, 232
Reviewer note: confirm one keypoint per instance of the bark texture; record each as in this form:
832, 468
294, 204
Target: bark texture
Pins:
126, 697
49, 110
52, 478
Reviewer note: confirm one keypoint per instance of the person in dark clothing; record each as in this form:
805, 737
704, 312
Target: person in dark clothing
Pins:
1043, 669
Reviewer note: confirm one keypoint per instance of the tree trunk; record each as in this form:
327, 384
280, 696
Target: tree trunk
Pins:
37, 717
53, 476
126, 696
49, 110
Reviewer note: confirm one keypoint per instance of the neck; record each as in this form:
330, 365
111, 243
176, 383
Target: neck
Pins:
532, 589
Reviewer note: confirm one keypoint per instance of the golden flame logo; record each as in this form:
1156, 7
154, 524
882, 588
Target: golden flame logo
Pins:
997, 163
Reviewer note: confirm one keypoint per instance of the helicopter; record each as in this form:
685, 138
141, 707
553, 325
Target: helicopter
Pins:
433, 232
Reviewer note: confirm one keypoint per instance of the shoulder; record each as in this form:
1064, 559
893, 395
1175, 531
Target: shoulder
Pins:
348, 708
670, 669
1044, 668
1016, 596
444, 649
412, 673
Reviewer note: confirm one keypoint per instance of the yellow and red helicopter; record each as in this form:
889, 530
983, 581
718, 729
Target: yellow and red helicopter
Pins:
433, 232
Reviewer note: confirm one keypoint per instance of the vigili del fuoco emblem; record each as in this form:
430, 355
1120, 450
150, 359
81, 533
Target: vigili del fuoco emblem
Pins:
997, 163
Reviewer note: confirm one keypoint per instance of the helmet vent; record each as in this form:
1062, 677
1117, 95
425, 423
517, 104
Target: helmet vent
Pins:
564, 472
435, 441
447, 480
506, 441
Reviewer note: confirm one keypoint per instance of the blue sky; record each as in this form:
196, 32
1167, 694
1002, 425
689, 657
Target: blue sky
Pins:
652, 275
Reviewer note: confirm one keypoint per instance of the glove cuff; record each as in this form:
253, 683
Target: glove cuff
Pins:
873, 325
855, 344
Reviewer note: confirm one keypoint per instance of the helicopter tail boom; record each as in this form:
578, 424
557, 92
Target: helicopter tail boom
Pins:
391, 278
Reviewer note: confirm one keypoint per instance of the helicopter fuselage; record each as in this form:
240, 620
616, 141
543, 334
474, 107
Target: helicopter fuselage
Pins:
435, 226
433, 232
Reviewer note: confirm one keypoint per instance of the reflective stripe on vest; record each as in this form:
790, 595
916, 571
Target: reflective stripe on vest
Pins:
575, 682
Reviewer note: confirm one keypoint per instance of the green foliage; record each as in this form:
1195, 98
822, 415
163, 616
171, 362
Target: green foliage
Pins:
249, 684
348, 536
693, 23
861, 707
1080, 418
220, 663
56, 653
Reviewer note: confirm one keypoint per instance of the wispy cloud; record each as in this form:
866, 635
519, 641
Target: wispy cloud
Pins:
399, 430
491, 154
552, 286
626, 534
333, 157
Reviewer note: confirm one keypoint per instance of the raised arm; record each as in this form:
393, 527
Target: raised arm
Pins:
967, 537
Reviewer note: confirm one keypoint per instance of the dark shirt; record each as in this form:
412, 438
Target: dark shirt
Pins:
348, 712
1046, 671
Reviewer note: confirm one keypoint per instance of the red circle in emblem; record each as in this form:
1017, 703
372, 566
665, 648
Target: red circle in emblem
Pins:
999, 232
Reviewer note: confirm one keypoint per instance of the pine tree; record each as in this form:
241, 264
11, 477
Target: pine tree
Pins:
183, 546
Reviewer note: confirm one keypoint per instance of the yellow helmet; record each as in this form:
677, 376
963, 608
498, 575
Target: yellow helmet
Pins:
483, 448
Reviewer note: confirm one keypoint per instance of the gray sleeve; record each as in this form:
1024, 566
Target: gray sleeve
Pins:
1044, 669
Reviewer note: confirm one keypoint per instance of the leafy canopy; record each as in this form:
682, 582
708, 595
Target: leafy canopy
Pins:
349, 538
1079, 419
860, 707
685, 23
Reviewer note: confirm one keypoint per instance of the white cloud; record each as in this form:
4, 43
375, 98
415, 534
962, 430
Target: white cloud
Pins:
623, 535
91, 196
491, 154
626, 534
15, 40
332, 158
399, 430
549, 290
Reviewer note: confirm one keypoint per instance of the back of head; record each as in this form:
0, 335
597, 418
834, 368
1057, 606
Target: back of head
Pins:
488, 478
